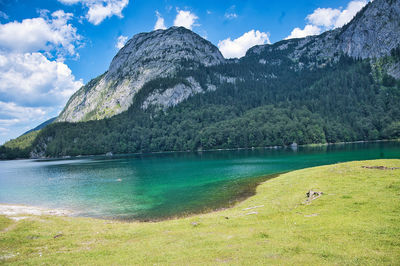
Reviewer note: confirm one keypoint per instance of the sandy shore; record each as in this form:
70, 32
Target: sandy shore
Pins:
17, 212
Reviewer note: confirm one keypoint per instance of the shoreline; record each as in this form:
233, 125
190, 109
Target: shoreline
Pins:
19, 211
247, 193
117, 155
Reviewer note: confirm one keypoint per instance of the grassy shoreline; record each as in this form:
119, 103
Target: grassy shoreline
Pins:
355, 221
248, 188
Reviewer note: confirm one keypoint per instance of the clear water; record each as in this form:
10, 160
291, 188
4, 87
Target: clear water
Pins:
158, 186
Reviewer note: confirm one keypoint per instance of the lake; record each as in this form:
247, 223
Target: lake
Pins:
159, 186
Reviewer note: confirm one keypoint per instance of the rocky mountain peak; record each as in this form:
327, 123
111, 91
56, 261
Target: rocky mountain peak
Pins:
145, 57
372, 33
169, 46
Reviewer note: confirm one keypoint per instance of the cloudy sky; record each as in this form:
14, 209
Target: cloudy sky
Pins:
49, 49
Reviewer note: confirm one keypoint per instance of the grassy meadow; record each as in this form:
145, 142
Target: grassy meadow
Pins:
355, 221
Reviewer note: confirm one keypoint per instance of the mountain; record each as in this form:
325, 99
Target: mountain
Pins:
162, 53
42, 125
171, 90
146, 56
373, 33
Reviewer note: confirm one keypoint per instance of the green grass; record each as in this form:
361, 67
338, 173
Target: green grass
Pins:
356, 221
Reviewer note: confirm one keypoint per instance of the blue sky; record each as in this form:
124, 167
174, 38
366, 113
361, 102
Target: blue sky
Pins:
49, 48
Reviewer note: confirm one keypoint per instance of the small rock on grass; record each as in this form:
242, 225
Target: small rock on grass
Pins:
57, 236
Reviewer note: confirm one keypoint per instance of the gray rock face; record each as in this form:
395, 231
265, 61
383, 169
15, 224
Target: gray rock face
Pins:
394, 70
172, 96
372, 33
146, 56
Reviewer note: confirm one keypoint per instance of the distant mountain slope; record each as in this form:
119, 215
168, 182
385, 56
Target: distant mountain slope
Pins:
372, 33
42, 125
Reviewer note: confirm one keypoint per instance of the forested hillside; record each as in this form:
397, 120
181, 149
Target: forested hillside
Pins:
341, 102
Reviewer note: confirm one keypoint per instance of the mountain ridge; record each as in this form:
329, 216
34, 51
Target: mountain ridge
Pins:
370, 34
143, 58
161, 53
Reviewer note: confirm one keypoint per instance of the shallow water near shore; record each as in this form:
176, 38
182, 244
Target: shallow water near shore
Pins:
160, 186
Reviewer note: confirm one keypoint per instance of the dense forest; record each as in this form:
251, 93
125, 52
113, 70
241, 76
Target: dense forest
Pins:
261, 105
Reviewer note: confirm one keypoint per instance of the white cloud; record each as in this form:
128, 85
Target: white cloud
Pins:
230, 15
307, 31
16, 119
323, 19
99, 10
32, 89
30, 79
3, 15
105, 9
352, 9
15, 114
121, 41
185, 19
41, 34
3, 132
160, 25
70, 2
238, 47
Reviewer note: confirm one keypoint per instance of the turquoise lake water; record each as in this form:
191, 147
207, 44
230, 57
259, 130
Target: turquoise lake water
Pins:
158, 186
